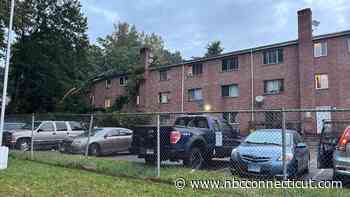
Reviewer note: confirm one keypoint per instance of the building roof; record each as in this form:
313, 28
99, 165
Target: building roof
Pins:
249, 50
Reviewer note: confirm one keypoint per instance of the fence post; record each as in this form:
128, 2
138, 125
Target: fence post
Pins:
158, 145
31, 138
89, 133
284, 144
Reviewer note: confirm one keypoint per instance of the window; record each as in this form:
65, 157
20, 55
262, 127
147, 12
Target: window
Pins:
123, 80
320, 49
348, 41
196, 69
273, 86
164, 97
229, 64
107, 103
321, 81
47, 126
230, 90
113, 133
76, 126
195, 94
108, 83
230, 117
163, 75
273, 56
61, 126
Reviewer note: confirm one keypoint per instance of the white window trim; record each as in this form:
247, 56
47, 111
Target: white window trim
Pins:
326, 50
321, 88
108, 86
166, 95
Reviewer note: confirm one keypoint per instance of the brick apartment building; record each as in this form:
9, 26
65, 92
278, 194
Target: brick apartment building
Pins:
310, 72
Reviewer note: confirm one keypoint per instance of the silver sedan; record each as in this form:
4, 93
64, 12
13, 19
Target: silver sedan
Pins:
106, 140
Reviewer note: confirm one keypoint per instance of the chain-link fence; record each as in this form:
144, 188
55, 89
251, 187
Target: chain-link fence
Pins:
268, 145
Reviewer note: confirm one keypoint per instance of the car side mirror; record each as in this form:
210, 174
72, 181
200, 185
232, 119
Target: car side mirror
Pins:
301, 145
40, 130
105, 136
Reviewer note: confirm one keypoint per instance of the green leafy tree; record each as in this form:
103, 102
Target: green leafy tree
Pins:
214, 48
49, 56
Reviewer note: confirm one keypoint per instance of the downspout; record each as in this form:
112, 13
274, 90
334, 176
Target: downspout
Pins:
182, 87
252, 82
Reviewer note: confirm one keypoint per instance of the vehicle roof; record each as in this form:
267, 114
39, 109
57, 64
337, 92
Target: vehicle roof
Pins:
275, 130
110, 128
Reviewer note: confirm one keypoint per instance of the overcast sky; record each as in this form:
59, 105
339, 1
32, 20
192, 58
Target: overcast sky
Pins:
188, 25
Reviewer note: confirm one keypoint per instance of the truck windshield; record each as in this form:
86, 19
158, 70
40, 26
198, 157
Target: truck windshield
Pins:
197, 122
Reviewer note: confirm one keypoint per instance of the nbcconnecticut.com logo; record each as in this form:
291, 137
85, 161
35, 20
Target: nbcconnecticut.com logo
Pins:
181, 183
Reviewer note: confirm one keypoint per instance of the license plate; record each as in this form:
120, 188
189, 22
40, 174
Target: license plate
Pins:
149, 151
253, 168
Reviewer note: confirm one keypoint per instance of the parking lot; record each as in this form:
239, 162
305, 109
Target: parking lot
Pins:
223, 164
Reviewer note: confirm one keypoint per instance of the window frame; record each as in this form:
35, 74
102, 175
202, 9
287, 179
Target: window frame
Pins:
321, 88
195, 71
266, 55
63, 123
110, 103
45, 123
108, 83
167, 97
193, 99
322, 44
228, 86
124, 79
232, 65
281, 88
166, 75
348, 43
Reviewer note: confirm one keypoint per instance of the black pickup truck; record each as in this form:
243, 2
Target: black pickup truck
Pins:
195, 139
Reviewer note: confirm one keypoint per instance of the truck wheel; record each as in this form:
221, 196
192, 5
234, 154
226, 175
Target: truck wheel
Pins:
150, 160
195, 159
94, 150
23, 144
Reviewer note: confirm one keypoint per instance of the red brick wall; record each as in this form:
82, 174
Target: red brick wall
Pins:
297, 70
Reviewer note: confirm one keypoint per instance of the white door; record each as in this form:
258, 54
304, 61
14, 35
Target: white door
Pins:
320, 116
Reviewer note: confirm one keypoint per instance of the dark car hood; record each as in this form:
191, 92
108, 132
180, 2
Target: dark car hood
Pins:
271, 151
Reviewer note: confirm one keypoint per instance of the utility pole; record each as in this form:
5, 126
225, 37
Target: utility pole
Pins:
7, 64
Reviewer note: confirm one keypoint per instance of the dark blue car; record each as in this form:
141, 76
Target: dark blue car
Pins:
260, 154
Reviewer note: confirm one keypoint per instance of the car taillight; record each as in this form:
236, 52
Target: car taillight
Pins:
175, 136
344, 140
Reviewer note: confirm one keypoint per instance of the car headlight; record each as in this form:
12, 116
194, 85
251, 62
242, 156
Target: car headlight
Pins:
289, 157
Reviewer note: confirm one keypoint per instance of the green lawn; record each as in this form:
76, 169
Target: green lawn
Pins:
53, 174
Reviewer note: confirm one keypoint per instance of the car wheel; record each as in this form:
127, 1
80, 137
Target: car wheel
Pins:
23, 144
337, 177
94, 150
307, 169
195, 159
295, 170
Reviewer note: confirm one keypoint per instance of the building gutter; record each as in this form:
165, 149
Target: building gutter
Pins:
252, 82
182, 87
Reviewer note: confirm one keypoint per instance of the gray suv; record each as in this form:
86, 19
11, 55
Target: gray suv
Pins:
48, 134
334, 148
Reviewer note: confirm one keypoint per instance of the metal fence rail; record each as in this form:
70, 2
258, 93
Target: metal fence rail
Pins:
279, 144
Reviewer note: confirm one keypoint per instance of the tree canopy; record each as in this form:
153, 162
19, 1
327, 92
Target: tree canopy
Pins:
52, 55
49, 55
214, 48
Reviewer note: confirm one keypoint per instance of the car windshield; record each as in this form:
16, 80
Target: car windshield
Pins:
29, 125
267, 137
93, 132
